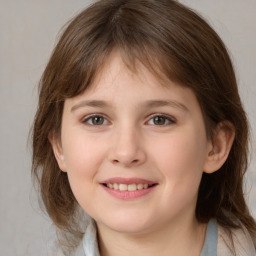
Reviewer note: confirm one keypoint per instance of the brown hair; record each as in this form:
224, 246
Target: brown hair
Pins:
172, 41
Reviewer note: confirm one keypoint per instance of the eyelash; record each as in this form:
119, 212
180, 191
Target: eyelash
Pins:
166, 118
86, 120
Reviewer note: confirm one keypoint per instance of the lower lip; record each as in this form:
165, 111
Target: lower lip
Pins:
128, 195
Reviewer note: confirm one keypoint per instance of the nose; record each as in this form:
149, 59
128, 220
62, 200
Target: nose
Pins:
127, 148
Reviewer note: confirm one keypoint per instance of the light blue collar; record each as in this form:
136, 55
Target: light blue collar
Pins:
211, 240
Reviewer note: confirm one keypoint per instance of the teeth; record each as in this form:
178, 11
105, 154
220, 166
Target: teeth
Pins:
122, 187
132, 187
125, 187
140, 186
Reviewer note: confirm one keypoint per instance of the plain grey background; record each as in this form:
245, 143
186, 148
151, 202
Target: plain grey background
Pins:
28, 33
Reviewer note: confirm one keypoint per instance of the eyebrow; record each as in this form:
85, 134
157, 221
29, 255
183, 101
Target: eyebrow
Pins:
148, 103
163, 103
90, 103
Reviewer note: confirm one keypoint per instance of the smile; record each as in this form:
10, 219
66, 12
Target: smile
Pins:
127, 187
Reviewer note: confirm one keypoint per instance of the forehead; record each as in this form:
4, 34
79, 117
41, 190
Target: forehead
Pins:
119, 72
116, 85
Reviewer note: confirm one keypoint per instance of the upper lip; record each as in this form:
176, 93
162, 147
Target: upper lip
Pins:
127, 181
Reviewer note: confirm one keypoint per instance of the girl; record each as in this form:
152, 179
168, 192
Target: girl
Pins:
140, 125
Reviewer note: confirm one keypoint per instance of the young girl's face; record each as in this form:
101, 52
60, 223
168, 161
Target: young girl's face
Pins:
129, 132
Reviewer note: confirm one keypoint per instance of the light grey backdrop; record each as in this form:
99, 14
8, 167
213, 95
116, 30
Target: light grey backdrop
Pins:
28, 30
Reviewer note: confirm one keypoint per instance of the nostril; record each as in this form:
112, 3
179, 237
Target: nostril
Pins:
135, 161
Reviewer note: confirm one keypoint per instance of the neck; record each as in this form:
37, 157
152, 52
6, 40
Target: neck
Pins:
186, 238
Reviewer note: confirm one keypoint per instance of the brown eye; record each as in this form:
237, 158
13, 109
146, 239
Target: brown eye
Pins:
161, 120
95, 120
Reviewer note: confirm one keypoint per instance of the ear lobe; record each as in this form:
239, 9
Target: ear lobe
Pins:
58, 152
220, 146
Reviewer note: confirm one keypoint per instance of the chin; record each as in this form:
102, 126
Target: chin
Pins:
129, 223
129, 228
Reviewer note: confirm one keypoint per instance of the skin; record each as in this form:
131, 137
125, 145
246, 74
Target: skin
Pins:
127, 141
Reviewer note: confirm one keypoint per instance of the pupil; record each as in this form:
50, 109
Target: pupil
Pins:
159, 120
97, 120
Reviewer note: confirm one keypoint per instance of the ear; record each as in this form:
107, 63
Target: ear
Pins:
57, 150
219, 146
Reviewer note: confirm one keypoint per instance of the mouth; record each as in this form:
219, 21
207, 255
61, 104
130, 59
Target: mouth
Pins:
128, 187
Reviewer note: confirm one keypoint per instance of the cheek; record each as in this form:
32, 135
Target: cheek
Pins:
83, 156
82, 153
180, 158
83, 159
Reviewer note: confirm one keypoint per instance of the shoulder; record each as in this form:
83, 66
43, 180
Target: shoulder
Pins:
234, 242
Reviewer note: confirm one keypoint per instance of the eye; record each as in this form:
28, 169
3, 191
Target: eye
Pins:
161, 120
95, 120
